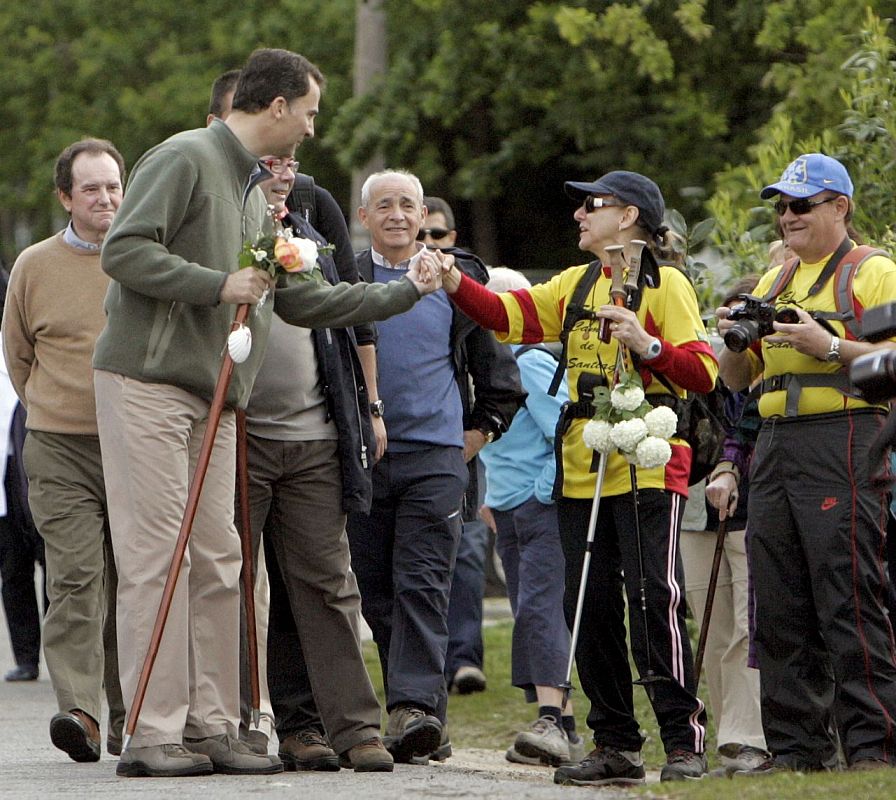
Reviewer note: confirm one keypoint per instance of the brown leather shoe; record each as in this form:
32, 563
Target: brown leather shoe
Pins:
308, 751
370, 755
76, 733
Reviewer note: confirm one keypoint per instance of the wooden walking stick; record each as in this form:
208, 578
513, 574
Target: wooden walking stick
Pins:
248, 573
710, 597
205, 452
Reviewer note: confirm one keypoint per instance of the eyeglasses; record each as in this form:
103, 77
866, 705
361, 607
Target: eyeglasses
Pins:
801, 206
592, 203
278, 166
435, 233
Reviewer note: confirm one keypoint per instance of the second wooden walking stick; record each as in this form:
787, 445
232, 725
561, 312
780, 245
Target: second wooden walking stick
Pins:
710, 597
248, 573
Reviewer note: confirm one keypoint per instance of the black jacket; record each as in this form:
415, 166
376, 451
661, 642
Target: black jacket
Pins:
344, 387
496, 392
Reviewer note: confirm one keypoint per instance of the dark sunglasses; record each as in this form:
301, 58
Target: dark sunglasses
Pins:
801, 206
435, 233
592, 202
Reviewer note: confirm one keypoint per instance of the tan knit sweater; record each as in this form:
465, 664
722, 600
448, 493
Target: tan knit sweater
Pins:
52, 317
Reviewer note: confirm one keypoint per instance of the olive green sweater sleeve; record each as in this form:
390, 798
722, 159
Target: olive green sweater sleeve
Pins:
310, 304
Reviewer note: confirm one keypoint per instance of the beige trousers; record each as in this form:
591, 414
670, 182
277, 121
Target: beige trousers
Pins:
150, 436
733, 686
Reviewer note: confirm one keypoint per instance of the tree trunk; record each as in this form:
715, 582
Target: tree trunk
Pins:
370, 62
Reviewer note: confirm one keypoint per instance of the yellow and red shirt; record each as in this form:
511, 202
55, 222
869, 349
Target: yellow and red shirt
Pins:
669, 312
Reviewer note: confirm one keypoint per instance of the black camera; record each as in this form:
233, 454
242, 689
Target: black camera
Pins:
874, 374
754, 320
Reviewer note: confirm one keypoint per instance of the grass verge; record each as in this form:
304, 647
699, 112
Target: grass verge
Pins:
491, 720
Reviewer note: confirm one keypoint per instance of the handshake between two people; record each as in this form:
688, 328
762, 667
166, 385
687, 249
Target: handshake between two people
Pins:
251, 285
426, 272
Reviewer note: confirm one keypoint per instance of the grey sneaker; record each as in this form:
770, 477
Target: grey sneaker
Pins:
576, 754
230, 756
737, 757
468, 679
683, 765
602, 766
162, 761
411, 732
308, 751
545, 740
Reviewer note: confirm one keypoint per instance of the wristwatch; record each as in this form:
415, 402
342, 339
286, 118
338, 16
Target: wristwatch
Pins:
653, 350
377, 408
834, 353
488, 434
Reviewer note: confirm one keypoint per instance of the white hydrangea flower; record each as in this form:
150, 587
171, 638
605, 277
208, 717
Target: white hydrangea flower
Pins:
653, 452
661, 422
627, 397
260, 255
626, 434
596, 435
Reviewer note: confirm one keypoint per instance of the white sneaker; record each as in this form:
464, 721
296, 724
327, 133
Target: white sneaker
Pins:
544, 740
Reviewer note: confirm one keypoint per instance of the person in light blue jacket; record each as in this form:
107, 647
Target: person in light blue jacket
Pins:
520, 471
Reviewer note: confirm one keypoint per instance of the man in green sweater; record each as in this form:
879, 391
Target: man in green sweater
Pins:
172, 255
52, 317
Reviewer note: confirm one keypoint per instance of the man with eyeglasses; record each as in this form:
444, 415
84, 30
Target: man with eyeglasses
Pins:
309, 550
824, 644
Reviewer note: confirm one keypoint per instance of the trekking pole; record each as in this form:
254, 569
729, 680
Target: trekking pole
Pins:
710, 597
248, 573
186, 527
651, 678
583, 582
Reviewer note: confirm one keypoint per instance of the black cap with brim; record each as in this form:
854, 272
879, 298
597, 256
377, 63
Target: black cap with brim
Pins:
630, 187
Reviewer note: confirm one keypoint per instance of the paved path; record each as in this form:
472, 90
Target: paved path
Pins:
32, 769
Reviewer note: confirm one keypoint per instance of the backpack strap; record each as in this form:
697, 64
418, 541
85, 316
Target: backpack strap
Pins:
572, 313
527, 347
302, 196
794, 383
785, 275
849, 309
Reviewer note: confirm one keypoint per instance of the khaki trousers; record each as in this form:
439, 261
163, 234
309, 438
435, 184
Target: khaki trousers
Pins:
733, 686
151, 436
68, 502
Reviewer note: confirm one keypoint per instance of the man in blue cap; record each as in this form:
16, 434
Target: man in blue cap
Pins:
824, 644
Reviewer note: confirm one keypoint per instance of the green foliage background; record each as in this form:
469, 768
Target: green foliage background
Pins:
494, 105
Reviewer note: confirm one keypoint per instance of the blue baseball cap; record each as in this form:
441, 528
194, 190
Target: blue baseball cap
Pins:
630, 187
810, 174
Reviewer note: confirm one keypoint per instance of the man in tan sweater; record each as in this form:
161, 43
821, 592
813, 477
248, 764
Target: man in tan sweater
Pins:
52, 317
